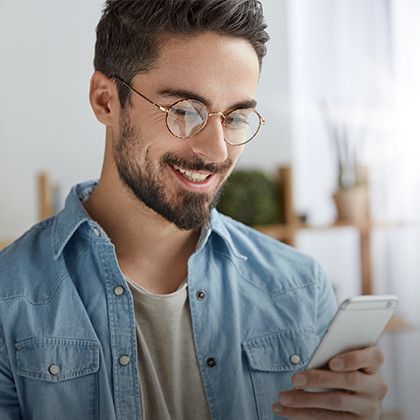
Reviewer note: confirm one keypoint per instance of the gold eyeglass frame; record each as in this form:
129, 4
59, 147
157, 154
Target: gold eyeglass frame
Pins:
165, 109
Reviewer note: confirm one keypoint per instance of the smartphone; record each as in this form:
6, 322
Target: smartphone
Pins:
358, 323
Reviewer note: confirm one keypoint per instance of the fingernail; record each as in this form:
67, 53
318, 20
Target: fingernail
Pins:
300, 379
277, 408
286, 399
337, 364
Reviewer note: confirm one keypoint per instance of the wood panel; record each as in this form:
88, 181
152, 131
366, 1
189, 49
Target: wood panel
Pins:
45, 196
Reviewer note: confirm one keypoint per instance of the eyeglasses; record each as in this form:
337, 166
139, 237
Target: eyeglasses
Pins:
187, 117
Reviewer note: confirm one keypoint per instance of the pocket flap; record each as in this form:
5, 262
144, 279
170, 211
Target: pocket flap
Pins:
280, 351
56, 358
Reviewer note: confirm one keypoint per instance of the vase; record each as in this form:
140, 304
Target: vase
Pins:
352, 204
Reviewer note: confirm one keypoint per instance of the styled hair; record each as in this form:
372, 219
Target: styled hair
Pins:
129, 33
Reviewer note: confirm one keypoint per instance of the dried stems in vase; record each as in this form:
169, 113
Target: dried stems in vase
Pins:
346, 134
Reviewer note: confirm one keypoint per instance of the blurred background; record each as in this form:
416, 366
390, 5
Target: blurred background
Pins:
337, 162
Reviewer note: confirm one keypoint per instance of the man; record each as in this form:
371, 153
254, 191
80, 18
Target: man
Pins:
139, 300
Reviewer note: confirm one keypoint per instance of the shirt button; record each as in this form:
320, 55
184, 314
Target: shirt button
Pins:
295, 359
119, 290
124, 360
201, 294
211, 362
96, 231
54, 369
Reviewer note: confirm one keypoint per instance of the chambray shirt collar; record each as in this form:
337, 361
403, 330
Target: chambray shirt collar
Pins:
74, 214
217, 225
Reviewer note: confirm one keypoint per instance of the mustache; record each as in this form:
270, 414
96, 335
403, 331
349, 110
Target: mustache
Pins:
195, 164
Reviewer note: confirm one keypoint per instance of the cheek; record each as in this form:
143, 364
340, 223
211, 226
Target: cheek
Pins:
155, 121
149, 124
161, 140
144, 113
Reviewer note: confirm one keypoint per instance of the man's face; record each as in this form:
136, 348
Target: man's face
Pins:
222, 70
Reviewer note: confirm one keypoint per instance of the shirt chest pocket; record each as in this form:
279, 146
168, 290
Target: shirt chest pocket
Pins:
273, 360
57, 372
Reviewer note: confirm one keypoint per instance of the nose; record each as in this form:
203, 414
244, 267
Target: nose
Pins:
209, 143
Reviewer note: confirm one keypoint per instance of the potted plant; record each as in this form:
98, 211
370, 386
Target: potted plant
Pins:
251, 197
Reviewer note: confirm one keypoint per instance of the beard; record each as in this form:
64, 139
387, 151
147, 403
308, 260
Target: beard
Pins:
185, 209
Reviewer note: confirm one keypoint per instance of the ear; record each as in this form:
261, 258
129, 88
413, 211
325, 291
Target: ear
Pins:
103, 97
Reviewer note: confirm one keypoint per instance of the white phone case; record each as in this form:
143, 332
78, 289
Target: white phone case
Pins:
358, 323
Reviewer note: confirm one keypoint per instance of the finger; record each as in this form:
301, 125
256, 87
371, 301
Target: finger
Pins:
358, 382
336, 401
368, 359
310, 414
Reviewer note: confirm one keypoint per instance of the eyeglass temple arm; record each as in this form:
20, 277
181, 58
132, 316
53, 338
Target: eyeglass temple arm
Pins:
160, 107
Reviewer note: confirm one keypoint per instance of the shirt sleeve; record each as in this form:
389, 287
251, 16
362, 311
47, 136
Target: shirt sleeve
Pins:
9, 404
327, 302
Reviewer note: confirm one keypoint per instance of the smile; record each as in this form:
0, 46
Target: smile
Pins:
193, 176
197, 181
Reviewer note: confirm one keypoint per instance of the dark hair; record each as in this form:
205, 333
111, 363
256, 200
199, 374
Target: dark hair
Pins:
129, 32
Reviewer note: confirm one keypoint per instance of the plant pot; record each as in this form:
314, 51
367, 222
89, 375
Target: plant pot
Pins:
352, 204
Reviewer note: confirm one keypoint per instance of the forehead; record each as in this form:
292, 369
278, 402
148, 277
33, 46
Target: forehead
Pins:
218, 67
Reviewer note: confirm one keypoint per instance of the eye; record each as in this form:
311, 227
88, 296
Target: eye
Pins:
189, 112
183, 112
237, 119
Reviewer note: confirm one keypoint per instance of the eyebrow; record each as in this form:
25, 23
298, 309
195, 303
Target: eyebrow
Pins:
187, 94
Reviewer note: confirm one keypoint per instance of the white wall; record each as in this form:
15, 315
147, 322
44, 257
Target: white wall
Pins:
46, 121
272, 148
340, 52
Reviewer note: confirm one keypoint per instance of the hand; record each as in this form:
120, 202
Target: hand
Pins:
358, 389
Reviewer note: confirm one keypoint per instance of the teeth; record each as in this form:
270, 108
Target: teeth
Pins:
192, 176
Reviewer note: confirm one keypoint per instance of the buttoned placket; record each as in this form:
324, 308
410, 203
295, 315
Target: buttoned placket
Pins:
198, 302
122, 332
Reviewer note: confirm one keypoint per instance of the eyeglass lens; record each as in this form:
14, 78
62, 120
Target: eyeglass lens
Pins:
187, 117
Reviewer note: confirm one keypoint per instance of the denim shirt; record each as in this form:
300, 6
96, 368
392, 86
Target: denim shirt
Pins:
67, 324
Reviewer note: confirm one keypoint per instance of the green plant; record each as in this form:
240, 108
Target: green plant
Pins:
251, 197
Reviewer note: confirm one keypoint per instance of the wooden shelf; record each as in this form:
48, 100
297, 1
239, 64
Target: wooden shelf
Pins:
285, 230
